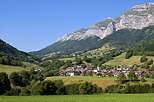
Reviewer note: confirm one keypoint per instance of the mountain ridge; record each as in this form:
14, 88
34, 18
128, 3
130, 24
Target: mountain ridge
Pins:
129, 24
137, 17
8, 50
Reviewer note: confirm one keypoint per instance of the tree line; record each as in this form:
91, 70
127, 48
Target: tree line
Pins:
45, 87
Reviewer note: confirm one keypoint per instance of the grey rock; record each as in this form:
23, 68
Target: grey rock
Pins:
138, 17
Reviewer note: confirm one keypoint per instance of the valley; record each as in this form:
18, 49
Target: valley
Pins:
112, 60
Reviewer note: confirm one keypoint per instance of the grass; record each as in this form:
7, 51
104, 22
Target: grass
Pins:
120, 60
81, 98
65, 59
30, 66
102, 49
9, 69
101, 82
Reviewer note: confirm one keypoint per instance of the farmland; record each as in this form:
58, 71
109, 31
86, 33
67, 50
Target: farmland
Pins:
9, 69
100, 81
81, 98
120, 60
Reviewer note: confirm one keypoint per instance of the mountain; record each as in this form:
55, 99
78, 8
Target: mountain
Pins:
126, 25
144, 48
8, 50
138, 17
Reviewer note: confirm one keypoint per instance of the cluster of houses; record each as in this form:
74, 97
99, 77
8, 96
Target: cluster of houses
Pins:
79, 71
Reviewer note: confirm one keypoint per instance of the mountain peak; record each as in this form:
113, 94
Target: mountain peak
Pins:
138, 17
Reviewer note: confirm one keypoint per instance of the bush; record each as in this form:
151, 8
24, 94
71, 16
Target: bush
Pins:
13, 92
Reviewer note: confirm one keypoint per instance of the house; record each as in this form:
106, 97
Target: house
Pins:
74, 73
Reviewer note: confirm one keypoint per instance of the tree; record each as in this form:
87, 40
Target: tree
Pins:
24, 92
89, 88
132, 76
4, 83
13, 92
16, 79
143, 59
60, 87
47, 88
149, 62
121, 78
78, 61
129, 54
152, 68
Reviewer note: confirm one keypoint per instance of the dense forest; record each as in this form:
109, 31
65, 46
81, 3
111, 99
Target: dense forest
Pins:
9, 52
144, 48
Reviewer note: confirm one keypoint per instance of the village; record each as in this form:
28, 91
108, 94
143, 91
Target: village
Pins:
89, 71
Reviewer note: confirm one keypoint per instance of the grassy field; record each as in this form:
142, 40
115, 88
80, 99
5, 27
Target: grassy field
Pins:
65, 59
120, 60
81, 98
101, 82
9, 69
29, 66
102, 49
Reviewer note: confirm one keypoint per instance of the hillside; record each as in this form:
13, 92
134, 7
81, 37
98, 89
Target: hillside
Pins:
134, 26
144, 48
8, 50
69, 46
9, 69
120, 39
120, 60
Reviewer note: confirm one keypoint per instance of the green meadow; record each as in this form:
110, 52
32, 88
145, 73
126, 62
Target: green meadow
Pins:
100, 81
81, 98
120, 60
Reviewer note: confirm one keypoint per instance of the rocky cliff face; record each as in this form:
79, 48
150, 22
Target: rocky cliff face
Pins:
138, 17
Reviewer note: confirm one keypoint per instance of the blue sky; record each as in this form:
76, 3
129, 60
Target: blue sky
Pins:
31, 25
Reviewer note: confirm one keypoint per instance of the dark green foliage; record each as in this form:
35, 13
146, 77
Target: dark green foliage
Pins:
13, 92
83, 88
53, 65
145, 48
121, 78
8, 60
146, 88
121, 38
47, 88
143, 59
149, 62
24, 78
45, 64
152, 75
69, 46
24, 92
15, 54
151, 68
132, 76
16, 79
78, 61
129, 54
5, 84
72, 89
88, 88
60, 87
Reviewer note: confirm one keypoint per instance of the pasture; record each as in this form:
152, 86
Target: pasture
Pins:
81, 98
9, 69
120, 60
102, 82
